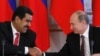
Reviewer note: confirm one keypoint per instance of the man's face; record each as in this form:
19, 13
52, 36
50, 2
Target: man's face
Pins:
23, 24
76, 25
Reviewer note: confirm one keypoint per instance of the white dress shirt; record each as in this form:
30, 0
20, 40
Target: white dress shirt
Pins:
14, 36
86, 44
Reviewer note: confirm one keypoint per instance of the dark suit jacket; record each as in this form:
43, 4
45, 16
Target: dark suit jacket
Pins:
72, 46
26, 39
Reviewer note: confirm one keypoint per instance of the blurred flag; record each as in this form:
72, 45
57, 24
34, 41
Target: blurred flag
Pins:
40, 21
61, 11
6, 9
96, 12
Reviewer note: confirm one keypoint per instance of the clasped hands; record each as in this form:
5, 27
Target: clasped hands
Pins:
35, 51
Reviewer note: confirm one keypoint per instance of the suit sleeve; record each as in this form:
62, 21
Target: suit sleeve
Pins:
65, 51
9, 48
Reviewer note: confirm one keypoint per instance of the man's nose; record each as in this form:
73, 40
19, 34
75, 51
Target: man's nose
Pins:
71, 27
29, 24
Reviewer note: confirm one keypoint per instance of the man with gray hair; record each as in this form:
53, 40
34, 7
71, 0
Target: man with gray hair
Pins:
84, 40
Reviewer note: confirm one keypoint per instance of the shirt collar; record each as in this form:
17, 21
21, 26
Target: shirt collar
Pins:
14, 29
86, 33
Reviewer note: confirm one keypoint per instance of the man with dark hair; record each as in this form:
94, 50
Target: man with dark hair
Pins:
83, 41
15, 37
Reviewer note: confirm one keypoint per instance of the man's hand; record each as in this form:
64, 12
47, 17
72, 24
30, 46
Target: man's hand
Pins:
35, 51
97, 54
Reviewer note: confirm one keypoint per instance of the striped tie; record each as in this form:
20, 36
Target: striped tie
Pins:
16, 42
82, 46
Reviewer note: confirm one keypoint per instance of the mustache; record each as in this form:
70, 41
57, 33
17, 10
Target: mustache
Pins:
26, 26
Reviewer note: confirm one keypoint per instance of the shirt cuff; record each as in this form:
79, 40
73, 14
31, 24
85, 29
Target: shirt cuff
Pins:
26, 50
44, 54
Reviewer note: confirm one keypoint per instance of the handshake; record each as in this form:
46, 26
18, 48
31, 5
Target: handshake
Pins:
35, 51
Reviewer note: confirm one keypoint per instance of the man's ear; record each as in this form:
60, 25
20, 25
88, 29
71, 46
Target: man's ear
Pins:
17, 19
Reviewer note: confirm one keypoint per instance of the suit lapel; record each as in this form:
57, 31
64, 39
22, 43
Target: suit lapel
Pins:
10, 33
76, 44
91, 38
21, 39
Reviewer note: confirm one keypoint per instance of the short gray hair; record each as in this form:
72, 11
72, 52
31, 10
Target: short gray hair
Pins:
82, 16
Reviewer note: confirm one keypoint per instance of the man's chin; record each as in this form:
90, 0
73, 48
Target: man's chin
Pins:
24, 31
76, 32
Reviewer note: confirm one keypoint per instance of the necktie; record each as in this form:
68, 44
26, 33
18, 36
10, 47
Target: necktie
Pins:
82, 46
16, 42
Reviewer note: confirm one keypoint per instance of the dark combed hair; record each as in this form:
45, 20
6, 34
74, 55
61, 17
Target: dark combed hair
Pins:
21, 11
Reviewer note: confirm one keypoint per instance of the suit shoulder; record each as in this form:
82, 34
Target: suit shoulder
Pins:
72, 36
96, 29
4, 25
29, 31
